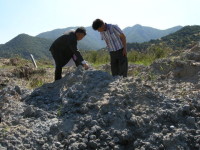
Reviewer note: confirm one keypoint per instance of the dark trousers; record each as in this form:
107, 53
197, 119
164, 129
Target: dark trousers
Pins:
119, 63
60, 61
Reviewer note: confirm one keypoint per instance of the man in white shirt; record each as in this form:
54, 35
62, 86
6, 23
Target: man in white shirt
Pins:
116, 43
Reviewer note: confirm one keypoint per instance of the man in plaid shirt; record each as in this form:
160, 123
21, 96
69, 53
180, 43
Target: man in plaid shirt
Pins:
116, 44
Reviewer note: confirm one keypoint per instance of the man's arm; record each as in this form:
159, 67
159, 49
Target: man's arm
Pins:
75, 51
77, 57
123, 39
119, 32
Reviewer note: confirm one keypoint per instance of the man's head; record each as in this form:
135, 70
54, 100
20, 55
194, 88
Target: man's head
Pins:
98, 25
80, 33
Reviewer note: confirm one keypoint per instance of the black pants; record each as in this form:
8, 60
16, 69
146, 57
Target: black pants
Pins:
60, 60
119, 63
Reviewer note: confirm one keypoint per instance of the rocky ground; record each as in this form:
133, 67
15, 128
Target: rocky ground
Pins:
157, 108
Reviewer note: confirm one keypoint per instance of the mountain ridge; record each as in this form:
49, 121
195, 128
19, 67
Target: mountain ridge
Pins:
24, 44
184, 38
136, 33
146, 33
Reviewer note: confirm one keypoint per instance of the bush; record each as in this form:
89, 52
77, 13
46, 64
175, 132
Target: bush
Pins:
159, 51
36, 82
17, 61
27, 72
96, 57
146, 58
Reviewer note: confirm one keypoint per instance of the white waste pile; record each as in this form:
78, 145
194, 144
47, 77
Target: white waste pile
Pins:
93, 110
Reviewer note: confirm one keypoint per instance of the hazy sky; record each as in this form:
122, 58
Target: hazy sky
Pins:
35, 16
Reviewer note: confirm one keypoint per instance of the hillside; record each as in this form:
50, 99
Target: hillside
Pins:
54, 33
90, 42
24, 45
184, 38
141, 34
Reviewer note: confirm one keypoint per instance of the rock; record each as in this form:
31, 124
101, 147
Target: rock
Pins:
92, 137
82, 146
191, 120
186, 109
92, 144
29, 112
60, 136
18, 90
116, 139
54, 129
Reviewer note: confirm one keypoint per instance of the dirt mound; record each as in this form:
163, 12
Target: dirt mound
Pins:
184, 67
157, 109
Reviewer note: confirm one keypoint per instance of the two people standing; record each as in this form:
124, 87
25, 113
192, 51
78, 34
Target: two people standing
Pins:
65, 47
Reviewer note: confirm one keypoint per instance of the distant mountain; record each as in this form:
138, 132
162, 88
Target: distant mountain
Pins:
136, 33
184, 38
54, 33
90, 42
24, 45
141, 34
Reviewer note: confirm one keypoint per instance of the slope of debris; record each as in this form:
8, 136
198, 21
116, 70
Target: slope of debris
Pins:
159, 109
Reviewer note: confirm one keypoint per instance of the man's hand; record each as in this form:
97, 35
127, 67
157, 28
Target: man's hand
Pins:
86, 66
124, 52
123, 39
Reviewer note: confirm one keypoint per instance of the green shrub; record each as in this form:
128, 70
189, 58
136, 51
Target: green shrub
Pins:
96, 57
36, 82
146, 58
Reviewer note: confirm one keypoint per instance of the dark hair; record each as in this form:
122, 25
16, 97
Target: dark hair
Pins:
97, 24
81, 30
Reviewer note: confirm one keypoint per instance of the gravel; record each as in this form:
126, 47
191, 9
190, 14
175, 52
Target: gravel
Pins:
159, 109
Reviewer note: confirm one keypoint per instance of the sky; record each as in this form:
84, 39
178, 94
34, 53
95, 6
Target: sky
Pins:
33, 17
